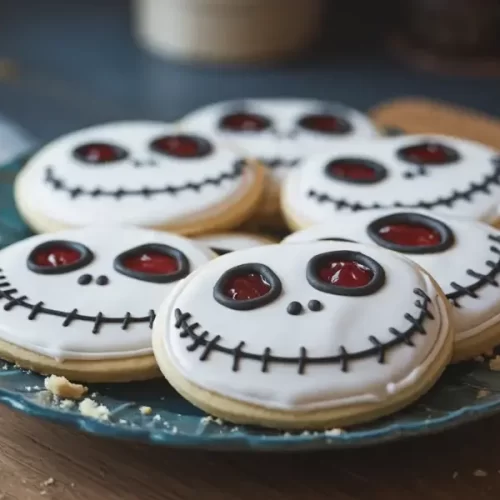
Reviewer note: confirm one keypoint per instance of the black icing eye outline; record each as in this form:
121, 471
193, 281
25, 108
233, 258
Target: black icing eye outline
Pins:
446, 236
322, 260
99, 153
245, 122
123, 263
355, 171
428, 154
270, 278
325, 124
182, 146
44, 258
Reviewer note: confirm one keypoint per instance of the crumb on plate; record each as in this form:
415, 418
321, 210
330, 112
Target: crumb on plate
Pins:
90, 408
146, 410
63, 388
494, 364
480, 473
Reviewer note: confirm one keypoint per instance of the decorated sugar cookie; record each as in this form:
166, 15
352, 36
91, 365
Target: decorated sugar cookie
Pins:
280, 132
309, 335
222, 243
462, 255
81, 303
438, 173
139, 173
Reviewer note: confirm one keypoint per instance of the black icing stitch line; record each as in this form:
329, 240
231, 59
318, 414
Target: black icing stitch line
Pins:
482, 279
474, 188
378, 349
61, 185
69, 316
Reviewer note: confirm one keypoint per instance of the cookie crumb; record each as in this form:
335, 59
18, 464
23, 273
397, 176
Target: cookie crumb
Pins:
146, 410
90, 408
66, 404
5, 367
122, 421
334, 432
479, 359
174, 430
62, 387
49, 482
494, 364
72, 485
455, 475
480, 473
482, 393
43, 492
157, 418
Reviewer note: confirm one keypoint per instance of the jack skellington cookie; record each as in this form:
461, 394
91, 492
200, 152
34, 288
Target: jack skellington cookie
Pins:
431, 172
140, 173
462, 255
222, 243
280, 132
304, 336
81, 303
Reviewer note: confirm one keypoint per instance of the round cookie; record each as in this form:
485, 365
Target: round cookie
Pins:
138, 173
222, 243
280, 132
438, 173
462, 255
81, 303
304, 336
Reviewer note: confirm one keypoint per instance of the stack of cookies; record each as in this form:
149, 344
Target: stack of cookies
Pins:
158, 255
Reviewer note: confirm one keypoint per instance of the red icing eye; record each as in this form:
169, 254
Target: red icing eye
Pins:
415, 235
182, 146
97, 153
56, 256
246, 286
350, 274
429, 154
151, 262
325, 124
356, 171
411, 233
245, 122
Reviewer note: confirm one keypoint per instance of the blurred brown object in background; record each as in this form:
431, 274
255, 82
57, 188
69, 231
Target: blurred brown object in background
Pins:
450, 35
415, 115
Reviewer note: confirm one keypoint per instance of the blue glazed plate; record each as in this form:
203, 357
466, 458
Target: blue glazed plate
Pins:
466, 392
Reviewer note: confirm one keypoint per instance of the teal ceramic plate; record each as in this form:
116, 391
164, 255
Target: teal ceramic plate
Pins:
466, 392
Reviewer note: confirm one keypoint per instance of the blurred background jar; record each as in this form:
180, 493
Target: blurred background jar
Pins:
228, 30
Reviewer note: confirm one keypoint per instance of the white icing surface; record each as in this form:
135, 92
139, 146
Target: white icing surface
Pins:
286, 140
343, 321
156, 209
231, 241
440, 182
46, 335
471, 250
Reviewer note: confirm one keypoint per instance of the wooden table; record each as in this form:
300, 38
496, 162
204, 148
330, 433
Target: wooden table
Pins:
461, 464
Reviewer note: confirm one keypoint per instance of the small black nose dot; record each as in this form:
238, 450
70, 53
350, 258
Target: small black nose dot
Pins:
294, 308
84, 279
315, 305
102, 280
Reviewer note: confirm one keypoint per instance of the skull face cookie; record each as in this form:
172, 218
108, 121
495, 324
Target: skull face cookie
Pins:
438, 173
137, 173
462, 255
81, 303
304, 336
280, 132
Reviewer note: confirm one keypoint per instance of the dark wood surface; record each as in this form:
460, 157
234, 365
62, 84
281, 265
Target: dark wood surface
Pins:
462, 464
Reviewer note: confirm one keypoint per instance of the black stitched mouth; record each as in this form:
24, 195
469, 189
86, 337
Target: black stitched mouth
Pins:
449, 201
211, 343
279, 162
482, 279
59, 184
38, 308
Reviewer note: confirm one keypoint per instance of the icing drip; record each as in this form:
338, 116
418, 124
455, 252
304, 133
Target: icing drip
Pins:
350, 274
429, 154
244, 122
151, 262
56, 256
353, 171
